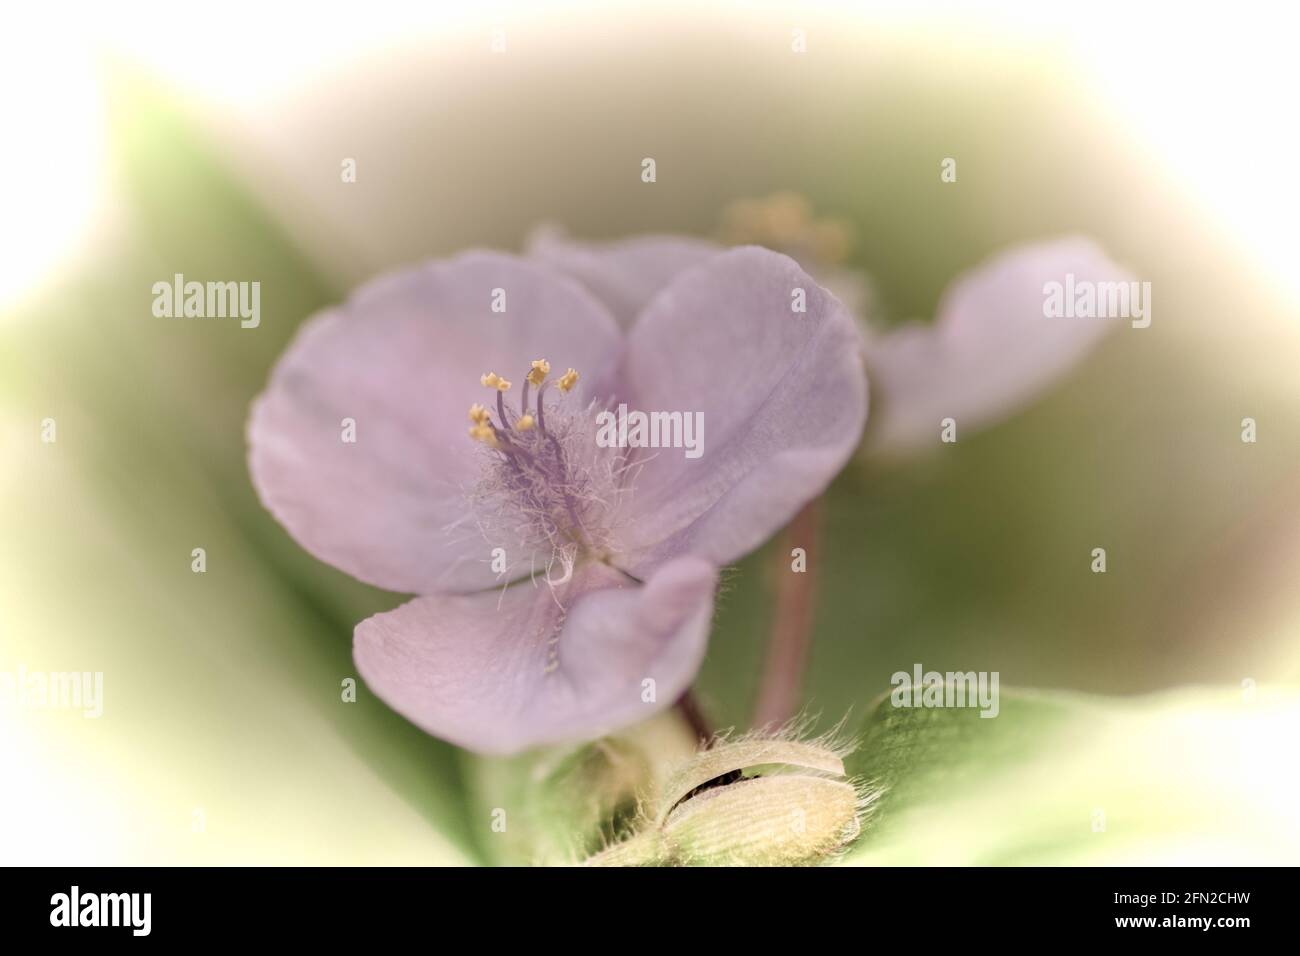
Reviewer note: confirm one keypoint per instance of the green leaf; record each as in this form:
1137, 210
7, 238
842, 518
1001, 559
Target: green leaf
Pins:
1187, 777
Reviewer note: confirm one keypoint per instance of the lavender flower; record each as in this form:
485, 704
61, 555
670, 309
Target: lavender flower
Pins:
565, 589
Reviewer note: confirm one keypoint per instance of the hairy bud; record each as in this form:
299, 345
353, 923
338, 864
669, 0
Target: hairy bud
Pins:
756, 801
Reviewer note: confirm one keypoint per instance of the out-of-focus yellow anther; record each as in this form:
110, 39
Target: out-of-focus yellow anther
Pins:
478, 414
483, 433
784, 221
541, 369
567, 381
524, 423
787, 216
490, 379
831, 239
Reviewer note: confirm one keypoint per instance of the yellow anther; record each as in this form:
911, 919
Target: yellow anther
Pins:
567, 381
502, 385
483, 433
541, 369
743, 221
784, 221
787, 216
524, 423
830, 240
490, 379
478, 414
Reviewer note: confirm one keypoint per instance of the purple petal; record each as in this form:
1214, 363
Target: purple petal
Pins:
991, 349
624, 274
499, 672
403, 358
782, 395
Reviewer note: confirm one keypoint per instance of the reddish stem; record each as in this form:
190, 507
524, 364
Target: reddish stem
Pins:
794, 610
689, 708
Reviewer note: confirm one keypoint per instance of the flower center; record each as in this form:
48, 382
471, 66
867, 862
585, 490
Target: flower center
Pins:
544, 485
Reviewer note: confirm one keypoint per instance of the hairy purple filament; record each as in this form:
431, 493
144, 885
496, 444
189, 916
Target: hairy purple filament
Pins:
536, 472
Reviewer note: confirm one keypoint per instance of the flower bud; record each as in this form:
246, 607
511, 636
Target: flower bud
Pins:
782, 820
757, 801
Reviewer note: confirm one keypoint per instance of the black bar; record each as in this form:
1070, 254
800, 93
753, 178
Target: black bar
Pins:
860, 908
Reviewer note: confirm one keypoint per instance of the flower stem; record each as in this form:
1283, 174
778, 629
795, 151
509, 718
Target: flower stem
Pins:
793, 614
689, 708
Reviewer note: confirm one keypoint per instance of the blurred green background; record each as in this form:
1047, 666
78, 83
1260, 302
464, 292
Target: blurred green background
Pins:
223, 689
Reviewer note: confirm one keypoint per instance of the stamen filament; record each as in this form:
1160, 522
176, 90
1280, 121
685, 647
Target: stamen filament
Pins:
541, 413
501, 409
533, 470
